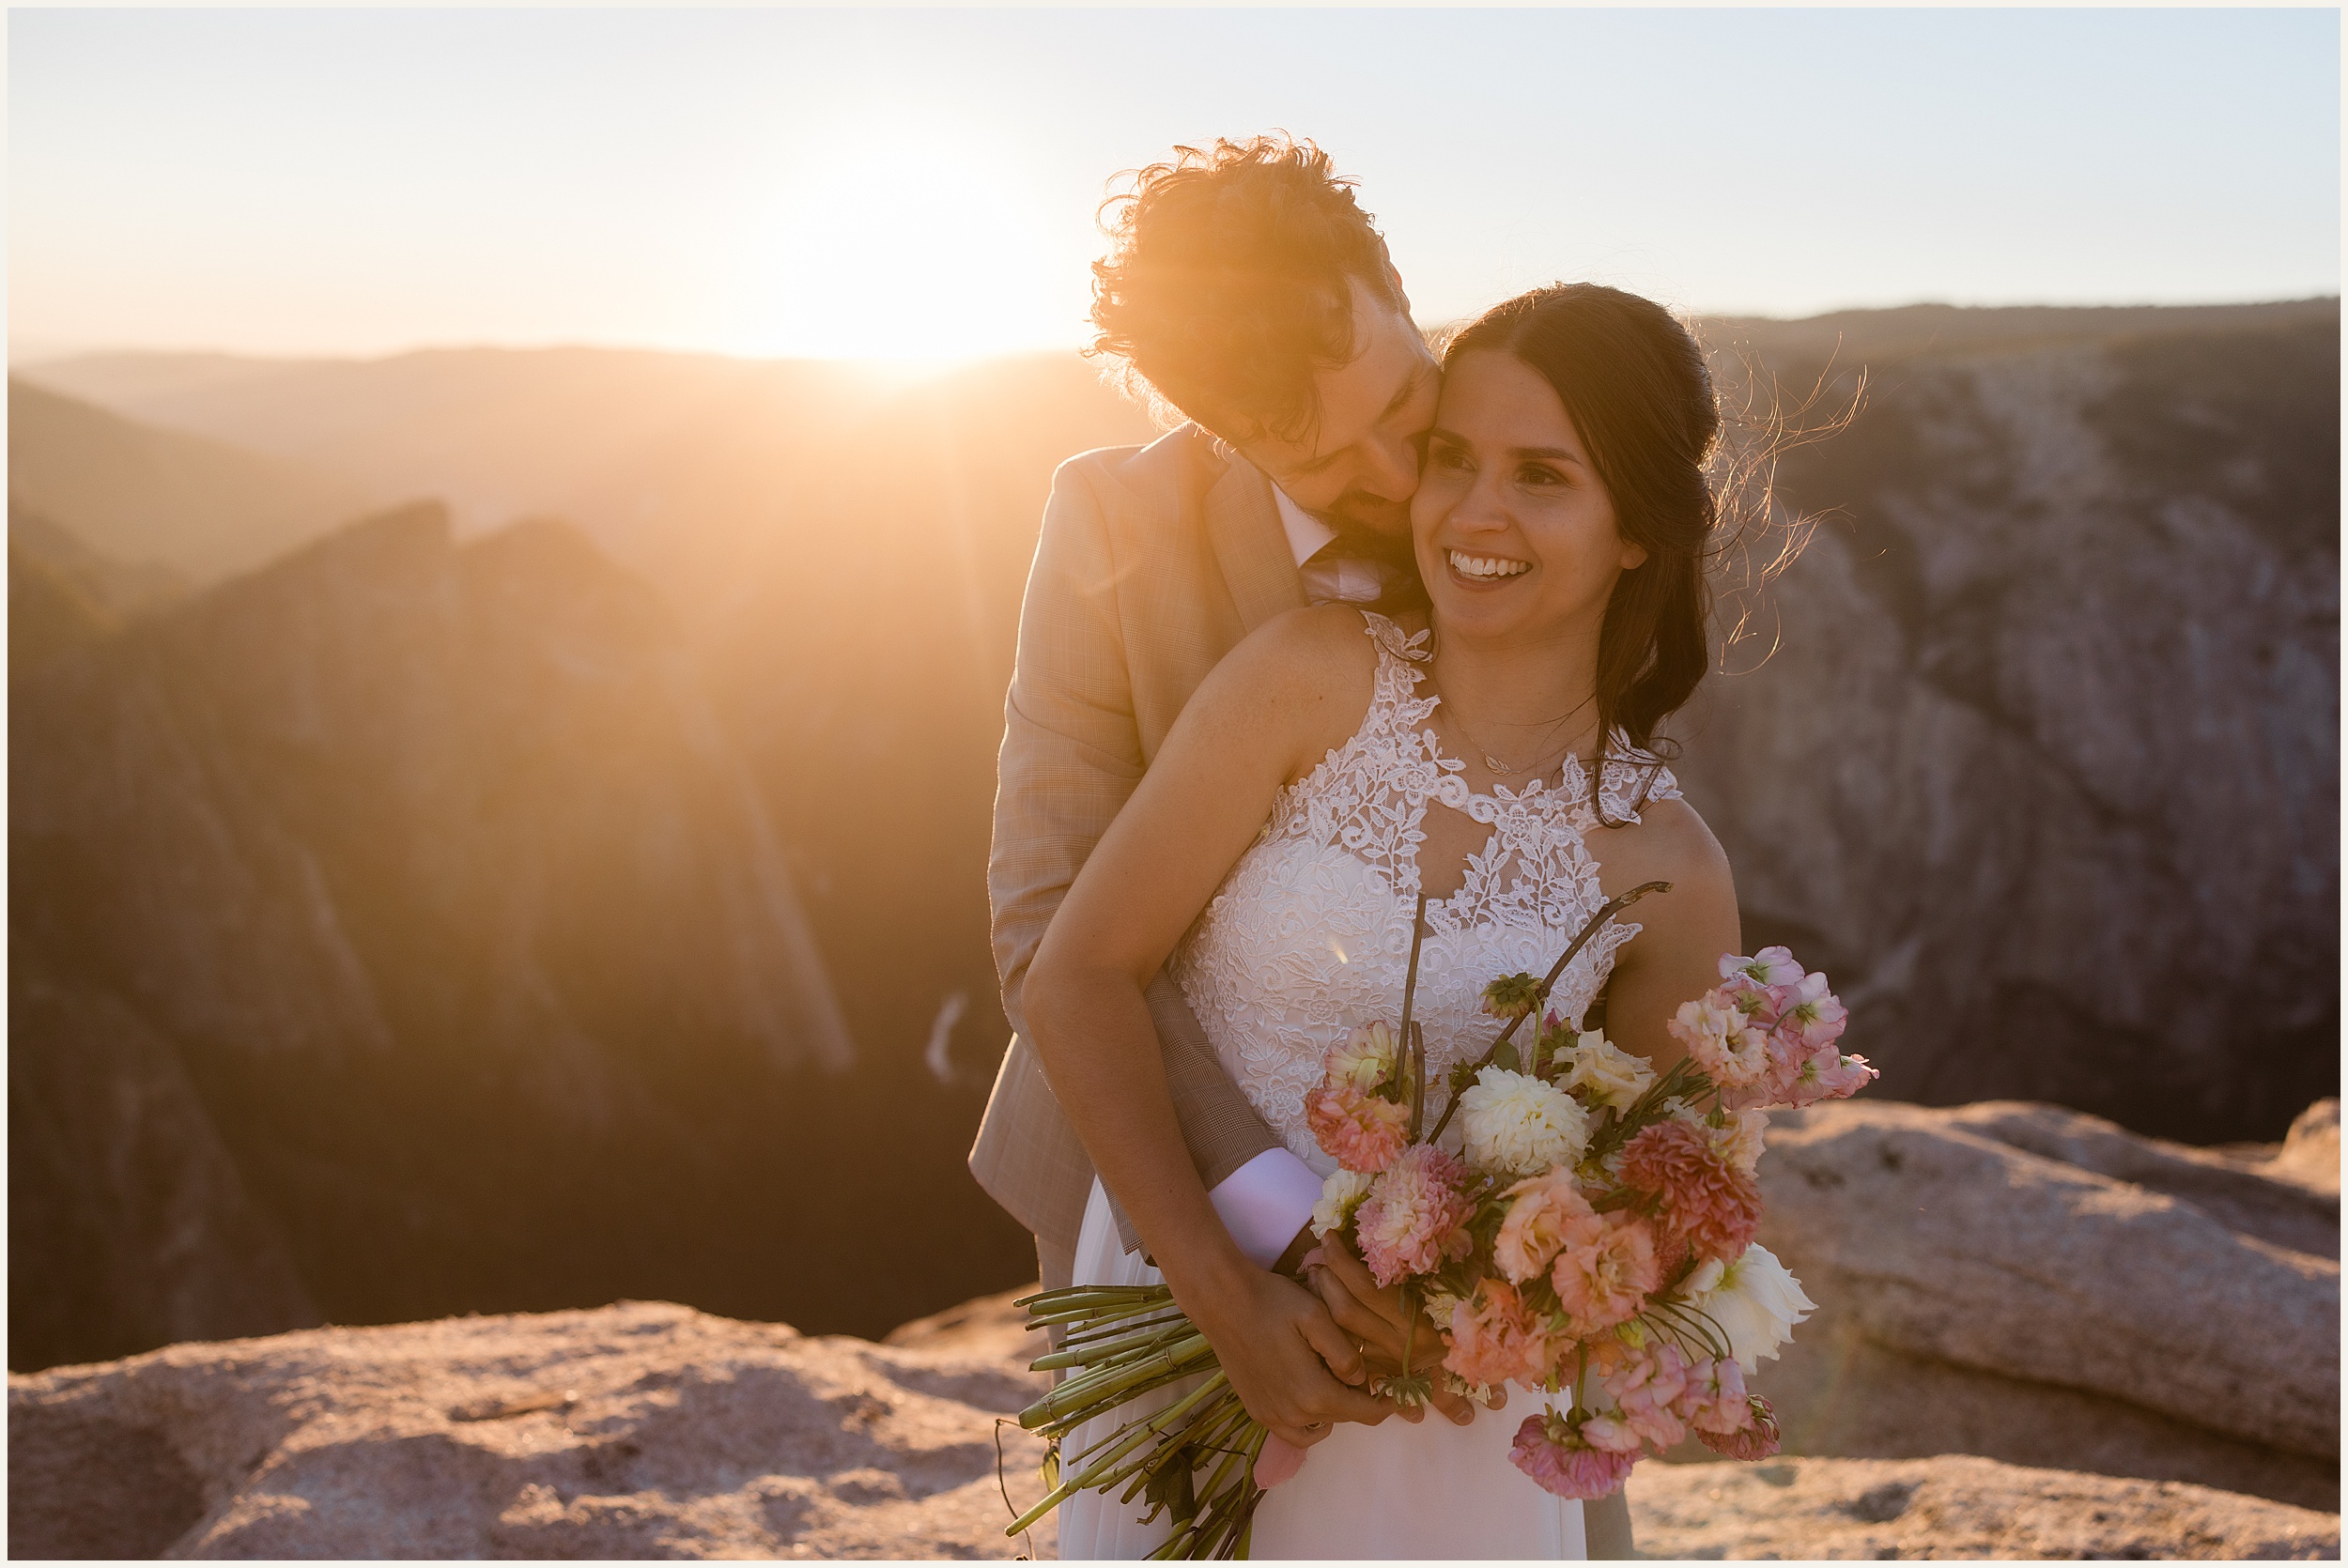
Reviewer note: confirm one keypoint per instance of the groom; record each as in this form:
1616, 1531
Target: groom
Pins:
1246, 290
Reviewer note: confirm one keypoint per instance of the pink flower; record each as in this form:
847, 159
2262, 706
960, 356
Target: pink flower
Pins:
1715, 1400
1562, 1461
1614, 1436
1648, 1390
1416, 1215
1731, 1052
1699, 1196
1771, 966
1605, 1271
1358, 1132
1808, 1012
1841, 1078
1495, 1337
1534, 1228
1755, 1441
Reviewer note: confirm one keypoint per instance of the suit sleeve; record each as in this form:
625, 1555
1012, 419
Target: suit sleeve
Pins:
1071, 757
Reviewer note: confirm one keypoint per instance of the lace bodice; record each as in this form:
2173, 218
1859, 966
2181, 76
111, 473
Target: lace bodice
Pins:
1309, 936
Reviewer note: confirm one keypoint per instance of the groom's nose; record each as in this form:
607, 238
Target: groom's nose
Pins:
1391, 467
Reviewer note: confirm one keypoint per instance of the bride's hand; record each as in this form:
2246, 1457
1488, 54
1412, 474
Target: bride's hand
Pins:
1284, 1355
1373, 1316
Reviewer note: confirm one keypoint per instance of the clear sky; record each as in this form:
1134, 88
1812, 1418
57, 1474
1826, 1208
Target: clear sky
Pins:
923, 182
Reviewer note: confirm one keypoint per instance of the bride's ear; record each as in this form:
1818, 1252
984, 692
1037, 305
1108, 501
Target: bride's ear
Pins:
1634, 555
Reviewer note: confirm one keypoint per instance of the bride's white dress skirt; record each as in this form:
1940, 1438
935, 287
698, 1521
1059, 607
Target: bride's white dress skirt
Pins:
1394, 1490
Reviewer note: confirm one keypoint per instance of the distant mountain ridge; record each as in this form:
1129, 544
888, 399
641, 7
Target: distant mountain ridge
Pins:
153, 497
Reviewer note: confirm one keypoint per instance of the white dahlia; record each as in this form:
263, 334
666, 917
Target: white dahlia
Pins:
1513, 1124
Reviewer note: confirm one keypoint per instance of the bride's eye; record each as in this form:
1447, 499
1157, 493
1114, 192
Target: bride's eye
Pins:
1445, 455
1540, 475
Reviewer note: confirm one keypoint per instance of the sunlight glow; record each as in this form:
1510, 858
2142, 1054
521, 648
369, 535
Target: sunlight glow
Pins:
883, 243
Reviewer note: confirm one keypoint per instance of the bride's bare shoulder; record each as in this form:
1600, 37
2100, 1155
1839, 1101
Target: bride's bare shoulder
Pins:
1308, 672
1307, 649
1670, 842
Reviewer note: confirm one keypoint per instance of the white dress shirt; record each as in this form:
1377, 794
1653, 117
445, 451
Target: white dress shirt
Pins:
1268, 1200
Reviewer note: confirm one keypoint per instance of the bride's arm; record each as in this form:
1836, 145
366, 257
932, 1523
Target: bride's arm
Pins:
1282, 698
1676, 957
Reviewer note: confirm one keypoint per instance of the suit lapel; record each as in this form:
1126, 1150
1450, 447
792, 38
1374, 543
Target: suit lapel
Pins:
1250, 546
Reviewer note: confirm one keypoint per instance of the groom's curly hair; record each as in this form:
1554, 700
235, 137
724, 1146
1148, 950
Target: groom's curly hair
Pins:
1226, 282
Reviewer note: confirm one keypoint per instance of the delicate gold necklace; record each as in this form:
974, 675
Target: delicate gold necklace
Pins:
1498, 768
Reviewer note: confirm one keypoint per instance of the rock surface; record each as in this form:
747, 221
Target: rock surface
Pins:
1955, 1506
2036, 1285
2044, 766
637, 1430
648, 1430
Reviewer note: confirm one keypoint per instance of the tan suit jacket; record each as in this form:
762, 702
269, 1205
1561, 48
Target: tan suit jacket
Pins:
1154, 563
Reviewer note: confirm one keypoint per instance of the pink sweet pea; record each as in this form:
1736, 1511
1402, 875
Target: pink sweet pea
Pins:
1732, 1052
1714, 1400
1757, 1440
1771, 966
1648, 1390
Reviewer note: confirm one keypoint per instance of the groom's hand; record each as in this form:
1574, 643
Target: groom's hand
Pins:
1373, 1319
1285, 1355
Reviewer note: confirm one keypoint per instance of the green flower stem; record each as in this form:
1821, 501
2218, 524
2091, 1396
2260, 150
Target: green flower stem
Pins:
1140, 1339
1081, 1392
1103, 1471
1204, 1434
1607, 911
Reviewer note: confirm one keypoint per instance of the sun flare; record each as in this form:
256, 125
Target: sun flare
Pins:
896, 245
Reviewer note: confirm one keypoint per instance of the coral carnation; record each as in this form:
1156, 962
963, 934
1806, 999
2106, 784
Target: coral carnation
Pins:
1605, 1271
1699, 1196
1556, 1457
1495, 1337
1358, 1132
1535, 1225
1416, 1215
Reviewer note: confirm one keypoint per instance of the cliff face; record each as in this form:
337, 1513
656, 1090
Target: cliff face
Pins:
431, 867
2044, 765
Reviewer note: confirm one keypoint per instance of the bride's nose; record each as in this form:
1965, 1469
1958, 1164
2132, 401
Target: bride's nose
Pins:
1479, 511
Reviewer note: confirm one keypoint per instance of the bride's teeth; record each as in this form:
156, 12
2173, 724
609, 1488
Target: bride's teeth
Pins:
1486, 566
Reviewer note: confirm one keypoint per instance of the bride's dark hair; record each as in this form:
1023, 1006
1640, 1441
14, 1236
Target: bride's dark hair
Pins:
1635, 384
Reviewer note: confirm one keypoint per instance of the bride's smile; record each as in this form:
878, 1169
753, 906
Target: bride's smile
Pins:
1515, 536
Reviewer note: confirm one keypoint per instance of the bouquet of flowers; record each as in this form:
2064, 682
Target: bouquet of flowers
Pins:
1588, 1234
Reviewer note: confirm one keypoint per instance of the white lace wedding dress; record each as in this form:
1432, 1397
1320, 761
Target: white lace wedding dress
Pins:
1309, 937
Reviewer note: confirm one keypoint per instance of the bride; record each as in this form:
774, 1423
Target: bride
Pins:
1486, 747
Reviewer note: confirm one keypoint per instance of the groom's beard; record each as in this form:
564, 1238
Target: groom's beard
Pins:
1370, 528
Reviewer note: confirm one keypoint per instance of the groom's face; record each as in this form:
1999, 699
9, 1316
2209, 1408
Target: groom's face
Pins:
1358, 466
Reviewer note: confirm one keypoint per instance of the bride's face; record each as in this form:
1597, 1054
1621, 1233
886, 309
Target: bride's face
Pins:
1515, 534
